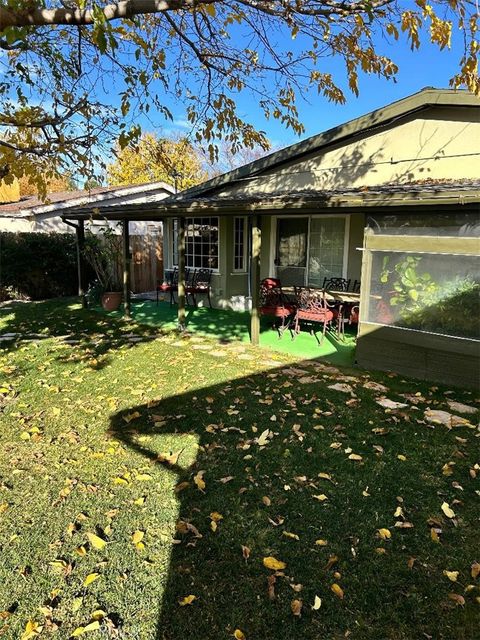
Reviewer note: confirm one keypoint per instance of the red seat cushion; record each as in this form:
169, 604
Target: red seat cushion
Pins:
315, 316
164, 287
278, 312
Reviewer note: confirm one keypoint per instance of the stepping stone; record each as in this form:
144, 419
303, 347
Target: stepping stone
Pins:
270, 363
219, 354
201, 347
245, 356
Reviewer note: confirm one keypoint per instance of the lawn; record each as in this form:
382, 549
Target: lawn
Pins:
146, 480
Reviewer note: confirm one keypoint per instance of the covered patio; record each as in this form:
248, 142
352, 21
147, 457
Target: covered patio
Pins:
234, 327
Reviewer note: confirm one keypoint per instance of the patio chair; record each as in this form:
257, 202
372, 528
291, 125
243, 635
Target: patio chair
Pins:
354, 315
336, 284
356, 286
199, 284
275, 304
314, 309
169, 285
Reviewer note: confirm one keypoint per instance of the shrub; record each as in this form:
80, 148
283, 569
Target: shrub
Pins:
39, 265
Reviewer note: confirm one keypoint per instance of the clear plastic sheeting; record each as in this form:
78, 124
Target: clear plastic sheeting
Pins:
435, 293
458, 224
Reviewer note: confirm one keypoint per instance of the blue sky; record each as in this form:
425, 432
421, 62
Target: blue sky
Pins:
417, 69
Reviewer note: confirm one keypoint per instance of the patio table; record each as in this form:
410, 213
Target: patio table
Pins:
349, 297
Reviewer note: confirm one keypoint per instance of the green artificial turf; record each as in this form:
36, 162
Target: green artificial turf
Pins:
232, 326
109, 428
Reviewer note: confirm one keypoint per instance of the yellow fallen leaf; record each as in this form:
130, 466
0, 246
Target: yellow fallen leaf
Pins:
324, 476
321, 543
355, 456
272, 563
96, 541
293, 536
380, 550
137, 536
451, 575
475, 570
317, 603
447, 468
81, 550
187, 600
119, 480
213, 526
143, 477
139, 501
92, 626
99, 614
450, 513
296, 607
215, 516
385, 534
32, 629
321, 498
90, 578
398, 512
401, 457
199, 481
337, 590
434, 536
239, 635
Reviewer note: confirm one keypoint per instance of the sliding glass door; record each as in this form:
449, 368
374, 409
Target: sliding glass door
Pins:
308, 250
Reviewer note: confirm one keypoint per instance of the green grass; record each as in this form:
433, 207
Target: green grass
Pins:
103, 435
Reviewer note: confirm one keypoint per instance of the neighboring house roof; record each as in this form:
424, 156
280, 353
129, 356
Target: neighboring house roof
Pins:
59, 201
428, 192
424, 99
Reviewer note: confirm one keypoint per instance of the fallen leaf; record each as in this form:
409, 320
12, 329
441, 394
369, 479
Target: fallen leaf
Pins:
317, 603
287, 534
390, 404
337, 590
271, 587
272, 563
90, 578
199, 481
321, 543
137, 536
239, 635
475, 570
32, 630
262, 439
92, 626
355, 456
402, 457
457, 598
266, 501
245, 552
384, 534
447, 510
187, 600
296, 607
96, 541
451, 575
434, 535
321, 498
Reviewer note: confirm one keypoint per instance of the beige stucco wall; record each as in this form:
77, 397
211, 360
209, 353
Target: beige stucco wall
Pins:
440, 143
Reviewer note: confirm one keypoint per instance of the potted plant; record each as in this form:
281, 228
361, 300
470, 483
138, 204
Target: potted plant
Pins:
103, 252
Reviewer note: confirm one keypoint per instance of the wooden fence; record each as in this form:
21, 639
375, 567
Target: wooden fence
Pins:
147, 261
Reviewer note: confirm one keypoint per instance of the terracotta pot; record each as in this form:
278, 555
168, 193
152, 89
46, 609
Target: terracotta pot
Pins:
111, 300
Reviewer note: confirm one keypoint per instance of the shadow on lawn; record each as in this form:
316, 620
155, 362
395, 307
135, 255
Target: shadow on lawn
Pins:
86, 335
384, 597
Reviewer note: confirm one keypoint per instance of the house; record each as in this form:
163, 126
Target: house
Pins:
30, 214
390, 199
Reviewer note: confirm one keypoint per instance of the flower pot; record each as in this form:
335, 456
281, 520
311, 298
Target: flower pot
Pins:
111, 300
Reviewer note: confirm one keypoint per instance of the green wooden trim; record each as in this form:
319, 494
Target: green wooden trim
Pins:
424, 340
422, 244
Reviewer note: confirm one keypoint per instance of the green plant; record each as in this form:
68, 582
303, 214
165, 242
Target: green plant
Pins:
412, 290
103, 252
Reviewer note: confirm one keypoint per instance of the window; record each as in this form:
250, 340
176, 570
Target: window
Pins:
201, 243
239, 244
327, 241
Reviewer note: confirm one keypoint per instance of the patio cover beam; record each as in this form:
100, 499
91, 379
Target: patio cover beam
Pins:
255, 275
181, 273
126, 269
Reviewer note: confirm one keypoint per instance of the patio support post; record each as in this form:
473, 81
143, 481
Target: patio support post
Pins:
126, 269
80, 231
181, 273
255, 271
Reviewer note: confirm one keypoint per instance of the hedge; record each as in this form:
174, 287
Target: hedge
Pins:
38, 265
